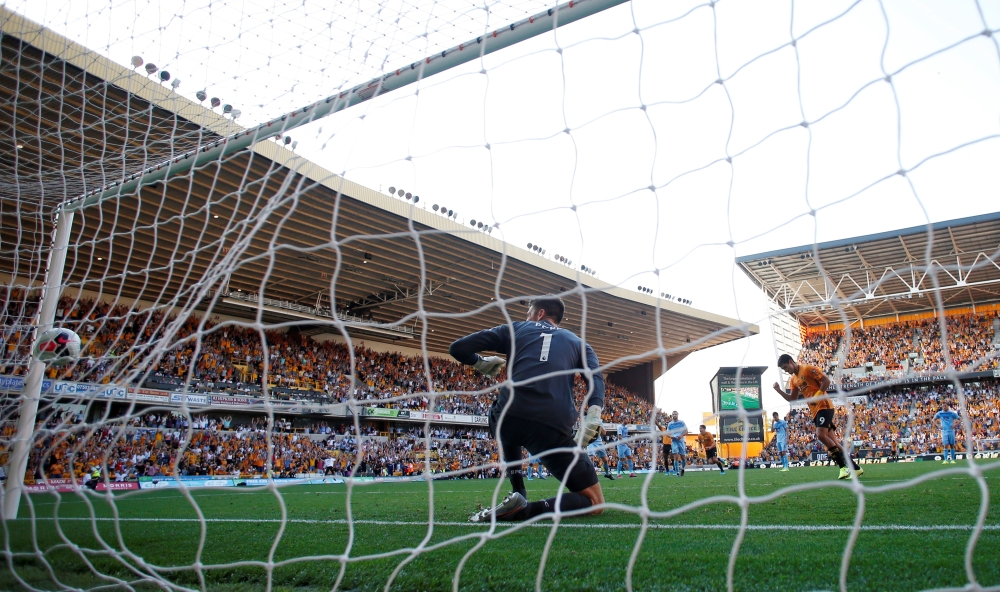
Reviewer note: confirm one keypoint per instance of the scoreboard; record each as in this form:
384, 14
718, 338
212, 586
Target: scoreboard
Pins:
734, 388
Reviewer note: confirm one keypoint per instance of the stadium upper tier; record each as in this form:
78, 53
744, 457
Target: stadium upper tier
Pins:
973, 344
232, 359
888, 274
265, 231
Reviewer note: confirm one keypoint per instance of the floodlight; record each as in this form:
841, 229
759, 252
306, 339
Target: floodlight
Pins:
215, 102
175, 83
151, 68
392, 190
164, 76
202, 95
136, 61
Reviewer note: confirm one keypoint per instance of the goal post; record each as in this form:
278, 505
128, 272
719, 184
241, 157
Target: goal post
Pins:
28, 409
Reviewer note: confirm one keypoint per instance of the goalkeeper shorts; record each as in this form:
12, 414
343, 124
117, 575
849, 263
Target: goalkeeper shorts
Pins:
571, 467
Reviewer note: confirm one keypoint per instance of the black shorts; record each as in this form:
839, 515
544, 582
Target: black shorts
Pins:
711, 453
824, 419
573, 469
666, 452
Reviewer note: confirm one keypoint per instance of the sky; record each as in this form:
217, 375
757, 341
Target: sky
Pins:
610, 140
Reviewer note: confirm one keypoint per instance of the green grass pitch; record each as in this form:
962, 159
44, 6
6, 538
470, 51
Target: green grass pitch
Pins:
912, 538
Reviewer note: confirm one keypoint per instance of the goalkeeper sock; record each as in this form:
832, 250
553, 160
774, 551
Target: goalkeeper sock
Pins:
570, 502
837, 455
517, 482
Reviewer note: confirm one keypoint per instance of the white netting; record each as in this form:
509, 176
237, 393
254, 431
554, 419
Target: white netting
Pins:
281, 313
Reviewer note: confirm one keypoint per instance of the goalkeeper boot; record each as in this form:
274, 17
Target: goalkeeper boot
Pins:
844, 473
505, 510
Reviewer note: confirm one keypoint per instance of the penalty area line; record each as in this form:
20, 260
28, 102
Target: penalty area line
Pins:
545, 524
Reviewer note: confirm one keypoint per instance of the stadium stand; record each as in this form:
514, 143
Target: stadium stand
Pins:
972, 346
231, 360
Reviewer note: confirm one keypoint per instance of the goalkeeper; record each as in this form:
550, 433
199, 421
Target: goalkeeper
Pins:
540, 412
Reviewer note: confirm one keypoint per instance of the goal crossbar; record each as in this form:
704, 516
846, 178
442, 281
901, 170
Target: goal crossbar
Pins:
495, 40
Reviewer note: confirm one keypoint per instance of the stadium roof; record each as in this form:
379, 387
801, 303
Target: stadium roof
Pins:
888, 273
205, 238
71, 121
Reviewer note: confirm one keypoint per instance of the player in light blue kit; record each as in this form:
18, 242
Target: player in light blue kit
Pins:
624, 451
947, 418
596, 448
534, 462
677, 430
780, 428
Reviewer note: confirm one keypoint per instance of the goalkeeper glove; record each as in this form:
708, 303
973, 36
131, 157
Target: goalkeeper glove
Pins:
591, 425
490, 366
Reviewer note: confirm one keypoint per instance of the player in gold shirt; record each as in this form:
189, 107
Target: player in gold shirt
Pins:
707, 441
810, 383
667, 455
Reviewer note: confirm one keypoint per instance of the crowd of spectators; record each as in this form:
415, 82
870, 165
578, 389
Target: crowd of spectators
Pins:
970, 337
150, 448
208, 356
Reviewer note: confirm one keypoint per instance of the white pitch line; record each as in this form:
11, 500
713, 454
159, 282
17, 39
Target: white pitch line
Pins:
751, 527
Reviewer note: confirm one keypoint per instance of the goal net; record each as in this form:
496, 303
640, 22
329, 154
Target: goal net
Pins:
267, 223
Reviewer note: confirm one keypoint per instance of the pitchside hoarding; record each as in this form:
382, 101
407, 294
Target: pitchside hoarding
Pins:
731, 429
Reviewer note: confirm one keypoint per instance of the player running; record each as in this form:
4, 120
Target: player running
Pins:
540, 413
946, 418
707, 442
596, 448
625, 451
780, 428
677, 430
809, 383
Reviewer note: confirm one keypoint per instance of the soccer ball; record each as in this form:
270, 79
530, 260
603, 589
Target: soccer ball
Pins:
59, 346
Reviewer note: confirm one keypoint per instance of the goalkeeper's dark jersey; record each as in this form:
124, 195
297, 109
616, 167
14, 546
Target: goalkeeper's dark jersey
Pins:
539, 348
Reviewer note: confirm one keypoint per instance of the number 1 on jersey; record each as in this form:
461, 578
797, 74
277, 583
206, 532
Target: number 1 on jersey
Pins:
546, 344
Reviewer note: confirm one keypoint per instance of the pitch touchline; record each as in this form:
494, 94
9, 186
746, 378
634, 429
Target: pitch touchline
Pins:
764, 527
